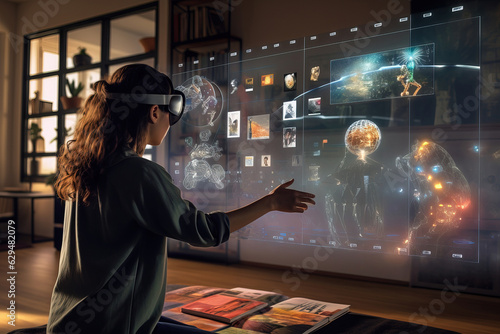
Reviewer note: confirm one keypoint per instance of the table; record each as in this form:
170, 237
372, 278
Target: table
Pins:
32, 195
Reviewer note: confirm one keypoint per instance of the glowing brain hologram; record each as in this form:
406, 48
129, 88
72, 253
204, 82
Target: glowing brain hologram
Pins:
362, 138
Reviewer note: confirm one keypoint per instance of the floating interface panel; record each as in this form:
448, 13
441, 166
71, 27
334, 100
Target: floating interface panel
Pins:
357, 121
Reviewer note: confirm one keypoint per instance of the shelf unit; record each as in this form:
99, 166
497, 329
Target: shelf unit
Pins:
200, 28
48, 64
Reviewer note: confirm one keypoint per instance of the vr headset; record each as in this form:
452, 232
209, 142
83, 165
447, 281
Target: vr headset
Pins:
175, 102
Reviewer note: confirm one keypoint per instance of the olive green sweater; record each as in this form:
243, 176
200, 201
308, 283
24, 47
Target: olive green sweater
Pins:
112, 271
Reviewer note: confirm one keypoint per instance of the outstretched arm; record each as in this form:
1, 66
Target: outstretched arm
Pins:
280, 199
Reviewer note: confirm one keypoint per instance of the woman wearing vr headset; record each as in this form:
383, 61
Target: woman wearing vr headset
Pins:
120, 208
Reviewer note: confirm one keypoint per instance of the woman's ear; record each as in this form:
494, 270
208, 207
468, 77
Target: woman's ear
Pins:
154, 114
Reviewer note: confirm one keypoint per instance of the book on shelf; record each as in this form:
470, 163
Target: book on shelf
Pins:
223, 308
197, 22
294, 315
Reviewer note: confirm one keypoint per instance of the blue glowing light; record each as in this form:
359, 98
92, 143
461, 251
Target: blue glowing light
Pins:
412, 56
437, 169
476, 148
419, 169
463, 242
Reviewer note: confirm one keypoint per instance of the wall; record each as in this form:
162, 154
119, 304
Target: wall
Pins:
260, 22
7, 25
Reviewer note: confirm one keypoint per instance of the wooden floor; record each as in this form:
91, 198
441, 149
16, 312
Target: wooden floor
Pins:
37, 269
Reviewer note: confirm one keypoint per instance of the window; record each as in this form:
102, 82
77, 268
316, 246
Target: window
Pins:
61, 65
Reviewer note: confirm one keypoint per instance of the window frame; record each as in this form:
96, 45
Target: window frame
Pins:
103, 66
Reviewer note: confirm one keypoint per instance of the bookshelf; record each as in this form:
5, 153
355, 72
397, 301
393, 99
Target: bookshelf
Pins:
201, 28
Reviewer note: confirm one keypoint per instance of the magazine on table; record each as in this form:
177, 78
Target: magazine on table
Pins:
179, 297
294, 315
224, 308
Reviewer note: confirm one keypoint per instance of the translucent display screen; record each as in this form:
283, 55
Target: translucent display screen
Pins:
384, 130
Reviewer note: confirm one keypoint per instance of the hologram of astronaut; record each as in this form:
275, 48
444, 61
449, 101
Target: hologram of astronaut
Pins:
406, 77
353, 206
440, 192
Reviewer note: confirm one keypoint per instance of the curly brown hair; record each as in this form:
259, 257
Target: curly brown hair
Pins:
105, 126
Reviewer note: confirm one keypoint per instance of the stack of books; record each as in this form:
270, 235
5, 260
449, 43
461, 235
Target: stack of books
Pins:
242, 310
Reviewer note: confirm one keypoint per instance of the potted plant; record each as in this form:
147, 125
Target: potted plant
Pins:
73, 101
148, 43
35, 138
67, 132
82, 58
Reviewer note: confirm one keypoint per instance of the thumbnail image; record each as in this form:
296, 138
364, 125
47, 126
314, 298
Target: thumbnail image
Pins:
234, 86
249, 161
290, 110
267, 80
405, 72
266, 161
315, 73
249, 85
290, 81
296, 160
313, 173
258, 127
314, 105
289, 137
233, 124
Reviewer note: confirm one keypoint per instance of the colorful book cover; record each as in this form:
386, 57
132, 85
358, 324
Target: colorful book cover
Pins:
223, 308
330, 310
284, 322
268, 297
199, 322
179, 297
234, 330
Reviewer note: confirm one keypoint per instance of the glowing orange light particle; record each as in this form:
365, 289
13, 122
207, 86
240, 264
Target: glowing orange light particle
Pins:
438, 186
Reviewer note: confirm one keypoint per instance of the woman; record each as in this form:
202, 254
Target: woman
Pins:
120, 208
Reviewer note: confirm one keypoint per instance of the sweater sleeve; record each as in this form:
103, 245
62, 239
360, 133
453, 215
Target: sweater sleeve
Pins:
157, 205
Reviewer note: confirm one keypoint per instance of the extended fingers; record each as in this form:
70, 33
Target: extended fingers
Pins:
307, 200
305, 197
301, 202
304, 194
